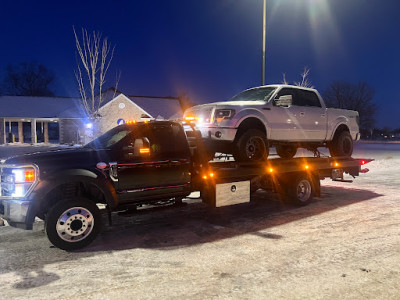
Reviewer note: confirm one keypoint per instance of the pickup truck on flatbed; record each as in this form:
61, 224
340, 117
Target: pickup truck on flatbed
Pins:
138, 164
284, 116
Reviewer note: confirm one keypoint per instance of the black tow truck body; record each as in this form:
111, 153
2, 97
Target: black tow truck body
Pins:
144, 163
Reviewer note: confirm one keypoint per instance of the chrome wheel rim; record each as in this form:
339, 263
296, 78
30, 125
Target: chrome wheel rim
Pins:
303, 190
75, 224
255, 148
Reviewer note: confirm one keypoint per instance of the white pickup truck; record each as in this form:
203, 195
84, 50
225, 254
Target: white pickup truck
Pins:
286, 117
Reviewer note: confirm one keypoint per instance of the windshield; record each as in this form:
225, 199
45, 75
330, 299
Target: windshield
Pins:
261, 93
109, 138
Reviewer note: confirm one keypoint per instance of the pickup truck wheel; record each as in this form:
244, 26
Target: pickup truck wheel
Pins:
342, 145
251, 146
286, 151
73, 224
298, 189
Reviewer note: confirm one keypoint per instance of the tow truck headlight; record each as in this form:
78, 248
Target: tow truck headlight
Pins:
16, 182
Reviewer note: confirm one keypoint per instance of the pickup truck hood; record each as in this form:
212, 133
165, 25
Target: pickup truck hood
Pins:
229, 103
59, 158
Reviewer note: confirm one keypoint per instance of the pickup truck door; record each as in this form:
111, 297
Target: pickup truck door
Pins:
304, 120
283, 119
156, 164
311, 114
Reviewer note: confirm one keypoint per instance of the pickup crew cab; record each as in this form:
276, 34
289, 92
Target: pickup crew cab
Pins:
283, 116
143, 164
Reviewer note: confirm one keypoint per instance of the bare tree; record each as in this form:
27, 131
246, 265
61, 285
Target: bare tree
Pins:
357, 97
284, 81
95, 56
28, 79
305, 82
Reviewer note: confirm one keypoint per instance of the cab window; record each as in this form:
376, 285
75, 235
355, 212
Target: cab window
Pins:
167, 140
307, 98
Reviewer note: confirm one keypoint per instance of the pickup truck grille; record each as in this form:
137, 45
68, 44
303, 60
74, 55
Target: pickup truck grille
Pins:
202, 115
5, 182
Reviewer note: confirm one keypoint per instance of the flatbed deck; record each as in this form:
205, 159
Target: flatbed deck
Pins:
322, 165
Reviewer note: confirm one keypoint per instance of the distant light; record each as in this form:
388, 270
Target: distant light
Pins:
89, 125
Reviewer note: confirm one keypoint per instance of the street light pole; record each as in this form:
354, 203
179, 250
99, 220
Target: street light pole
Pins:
263, 44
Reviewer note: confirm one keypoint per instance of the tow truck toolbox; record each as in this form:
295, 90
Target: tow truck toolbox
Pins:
142, 164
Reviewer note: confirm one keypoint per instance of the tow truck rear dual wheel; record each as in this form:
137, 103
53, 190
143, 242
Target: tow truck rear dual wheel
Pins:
251, 146
298, 189
73, 223
341, 145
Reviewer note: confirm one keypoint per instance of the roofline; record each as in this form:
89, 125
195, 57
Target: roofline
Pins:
54, 97
283, 85
127, 97
155, 97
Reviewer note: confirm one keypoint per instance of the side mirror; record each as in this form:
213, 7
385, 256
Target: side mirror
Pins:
285, 101
140, 148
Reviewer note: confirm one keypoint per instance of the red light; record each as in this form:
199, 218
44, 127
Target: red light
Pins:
363, 162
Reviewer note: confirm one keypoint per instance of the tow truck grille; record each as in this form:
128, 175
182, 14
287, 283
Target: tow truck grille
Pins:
4, 185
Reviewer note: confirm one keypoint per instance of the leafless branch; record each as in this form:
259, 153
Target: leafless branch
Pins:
284, 81
95, 55
305, 82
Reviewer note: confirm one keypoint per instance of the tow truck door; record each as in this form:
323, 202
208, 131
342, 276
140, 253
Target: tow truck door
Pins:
155, 164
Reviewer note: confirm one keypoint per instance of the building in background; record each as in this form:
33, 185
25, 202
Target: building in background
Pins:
59, 120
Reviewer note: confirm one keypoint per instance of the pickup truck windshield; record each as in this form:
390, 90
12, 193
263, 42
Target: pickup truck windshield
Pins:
109, 138
262, 93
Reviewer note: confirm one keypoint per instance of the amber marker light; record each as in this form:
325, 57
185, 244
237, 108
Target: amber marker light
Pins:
29, 175
190, 119
144, 150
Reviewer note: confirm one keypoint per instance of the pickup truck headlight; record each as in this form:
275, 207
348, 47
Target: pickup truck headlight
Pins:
223, 114
16, 182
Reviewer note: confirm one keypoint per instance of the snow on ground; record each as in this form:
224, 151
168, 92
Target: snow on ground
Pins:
345, 245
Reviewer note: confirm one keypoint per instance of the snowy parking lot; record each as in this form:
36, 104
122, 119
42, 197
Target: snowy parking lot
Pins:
346, 244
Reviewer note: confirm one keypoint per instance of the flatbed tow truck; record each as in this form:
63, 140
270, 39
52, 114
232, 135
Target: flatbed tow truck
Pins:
141, 164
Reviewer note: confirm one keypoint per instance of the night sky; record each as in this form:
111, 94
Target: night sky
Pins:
211, 49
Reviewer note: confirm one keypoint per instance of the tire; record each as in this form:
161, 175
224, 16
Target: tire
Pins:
251, 146
341, 145
73, 224
254, 184
286, 151
298, 189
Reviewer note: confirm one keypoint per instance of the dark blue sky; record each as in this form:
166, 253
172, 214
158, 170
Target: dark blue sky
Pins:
211, 49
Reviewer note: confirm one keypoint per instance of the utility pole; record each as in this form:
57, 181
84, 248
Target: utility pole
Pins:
263, 43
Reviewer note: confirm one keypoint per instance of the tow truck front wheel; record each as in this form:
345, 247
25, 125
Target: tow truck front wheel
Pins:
73, 224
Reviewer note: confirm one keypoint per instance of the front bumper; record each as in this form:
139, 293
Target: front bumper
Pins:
218, 133
16, 213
